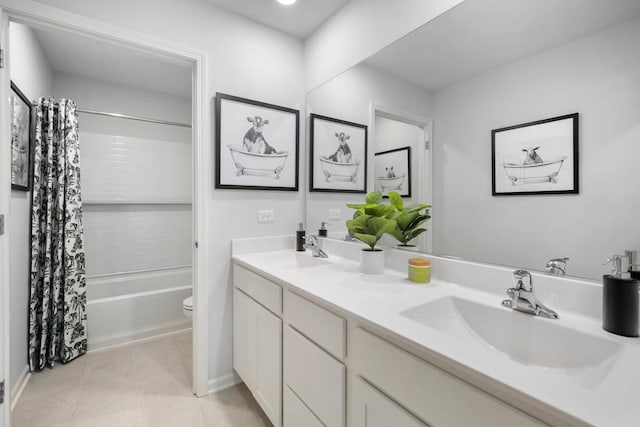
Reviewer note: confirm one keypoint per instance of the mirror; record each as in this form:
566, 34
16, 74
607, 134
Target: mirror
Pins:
486, 65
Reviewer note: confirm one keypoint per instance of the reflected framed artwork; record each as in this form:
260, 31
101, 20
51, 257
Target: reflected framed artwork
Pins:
538, 157
338, 155
393, 171
21, 139
257, 145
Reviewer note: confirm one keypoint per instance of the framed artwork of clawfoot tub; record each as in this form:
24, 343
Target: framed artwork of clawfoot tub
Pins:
21, 136
257, 145
538, 157
338, 155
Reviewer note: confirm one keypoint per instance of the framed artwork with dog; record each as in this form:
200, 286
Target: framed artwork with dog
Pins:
393, 171
338, 155
21, 135
257, 145
538, 157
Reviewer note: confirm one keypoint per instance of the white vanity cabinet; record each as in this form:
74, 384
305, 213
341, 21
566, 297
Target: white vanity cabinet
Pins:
314, 372
257, 340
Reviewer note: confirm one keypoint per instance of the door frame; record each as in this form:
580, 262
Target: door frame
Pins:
42, 16
425, 173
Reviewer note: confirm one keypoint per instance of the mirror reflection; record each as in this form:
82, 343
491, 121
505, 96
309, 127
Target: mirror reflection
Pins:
431, 101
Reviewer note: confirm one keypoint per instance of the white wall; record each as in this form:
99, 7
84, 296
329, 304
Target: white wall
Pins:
32, 74
597, 76
360, 29
136, 192
245, 59
349, 97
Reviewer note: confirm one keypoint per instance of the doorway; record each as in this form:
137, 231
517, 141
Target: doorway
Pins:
194, 242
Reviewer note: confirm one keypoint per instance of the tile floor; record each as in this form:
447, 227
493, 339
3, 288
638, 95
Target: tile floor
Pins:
147, 383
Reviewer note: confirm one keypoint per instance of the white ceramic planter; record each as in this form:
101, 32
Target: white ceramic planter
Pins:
372, 262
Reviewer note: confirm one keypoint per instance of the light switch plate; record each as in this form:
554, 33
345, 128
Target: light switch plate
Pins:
266, 216
334, 214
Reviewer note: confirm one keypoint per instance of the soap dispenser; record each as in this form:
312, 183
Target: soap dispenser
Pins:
322, 232
300, 238
620, 299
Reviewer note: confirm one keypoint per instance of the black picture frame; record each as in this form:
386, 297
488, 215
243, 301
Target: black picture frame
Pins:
354, 177
406, 176
255, 170
19, 153
534, 173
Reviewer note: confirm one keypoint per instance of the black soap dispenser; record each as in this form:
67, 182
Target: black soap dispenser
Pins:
620, 299
322, 232
300, 238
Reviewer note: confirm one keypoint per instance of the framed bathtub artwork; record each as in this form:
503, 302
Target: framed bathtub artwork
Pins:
257, 145
338, 155
393, 171
538, 157
21, 139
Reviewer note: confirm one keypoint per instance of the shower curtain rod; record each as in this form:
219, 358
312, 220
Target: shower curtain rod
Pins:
141, 119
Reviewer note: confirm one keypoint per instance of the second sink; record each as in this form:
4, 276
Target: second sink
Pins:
523, 338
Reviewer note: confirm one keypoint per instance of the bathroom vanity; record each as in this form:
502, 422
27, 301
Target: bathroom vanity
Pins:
318, 343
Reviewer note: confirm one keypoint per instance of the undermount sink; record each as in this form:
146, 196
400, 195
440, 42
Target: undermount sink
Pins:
524, 338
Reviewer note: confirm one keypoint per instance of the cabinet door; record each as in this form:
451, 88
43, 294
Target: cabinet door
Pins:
244, 334
268, 359
371, 408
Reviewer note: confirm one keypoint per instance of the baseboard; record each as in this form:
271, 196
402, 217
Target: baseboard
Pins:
225, 381
18, 388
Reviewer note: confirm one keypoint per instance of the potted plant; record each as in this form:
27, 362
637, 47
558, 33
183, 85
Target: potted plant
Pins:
408, 220
370, 222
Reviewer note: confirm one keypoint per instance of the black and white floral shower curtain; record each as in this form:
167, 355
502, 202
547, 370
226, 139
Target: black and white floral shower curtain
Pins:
57, 316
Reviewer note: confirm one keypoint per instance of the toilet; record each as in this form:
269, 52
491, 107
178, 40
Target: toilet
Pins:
187, 307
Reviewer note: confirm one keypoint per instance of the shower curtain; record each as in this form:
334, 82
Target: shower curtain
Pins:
57, 315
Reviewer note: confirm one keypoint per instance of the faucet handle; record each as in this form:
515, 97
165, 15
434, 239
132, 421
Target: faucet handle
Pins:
523, 280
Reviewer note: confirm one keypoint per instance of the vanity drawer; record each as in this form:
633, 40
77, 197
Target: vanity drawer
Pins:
435, 396
296, 414
257, 287
319, 325
315, 377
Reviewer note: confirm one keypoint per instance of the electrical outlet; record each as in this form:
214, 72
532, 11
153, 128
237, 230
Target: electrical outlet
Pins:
266, 216
334, 214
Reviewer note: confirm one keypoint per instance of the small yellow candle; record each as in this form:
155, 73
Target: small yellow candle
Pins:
419, 270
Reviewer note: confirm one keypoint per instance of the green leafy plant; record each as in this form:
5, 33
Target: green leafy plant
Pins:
408, 219
371, 220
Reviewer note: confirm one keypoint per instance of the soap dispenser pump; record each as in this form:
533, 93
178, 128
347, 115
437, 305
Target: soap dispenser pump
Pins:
634, 267
300, 238
322, 232
620, 298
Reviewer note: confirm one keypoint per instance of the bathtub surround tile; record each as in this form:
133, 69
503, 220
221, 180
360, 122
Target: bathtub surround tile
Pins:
146, 383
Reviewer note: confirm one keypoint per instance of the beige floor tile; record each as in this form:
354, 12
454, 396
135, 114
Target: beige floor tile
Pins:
52, 409
110, 413
233, 407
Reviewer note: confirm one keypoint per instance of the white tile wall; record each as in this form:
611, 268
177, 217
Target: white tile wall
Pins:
130, 238
131, 169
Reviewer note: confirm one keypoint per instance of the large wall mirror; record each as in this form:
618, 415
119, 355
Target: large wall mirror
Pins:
438, 93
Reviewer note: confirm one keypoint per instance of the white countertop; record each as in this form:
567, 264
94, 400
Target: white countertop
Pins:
602, 395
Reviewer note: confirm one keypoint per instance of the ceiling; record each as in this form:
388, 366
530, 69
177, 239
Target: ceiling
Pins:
83, 56
480, 35
300, 19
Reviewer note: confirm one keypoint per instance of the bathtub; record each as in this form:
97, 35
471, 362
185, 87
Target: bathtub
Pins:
394, 183
257, 164
336, 171
539, 172
125, 307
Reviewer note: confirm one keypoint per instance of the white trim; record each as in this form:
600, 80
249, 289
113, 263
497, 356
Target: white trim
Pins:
425, 192
5, 195
18, 388
223, 382
42, 16
139, 295
137, 341
146, 334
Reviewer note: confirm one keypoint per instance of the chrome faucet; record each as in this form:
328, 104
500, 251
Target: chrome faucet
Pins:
557, 266
314, 245
523, 299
